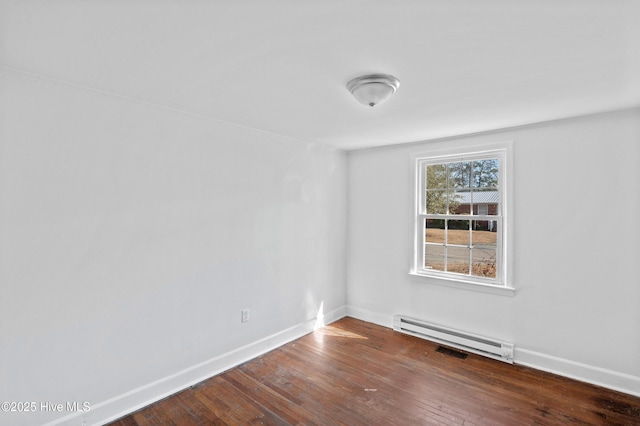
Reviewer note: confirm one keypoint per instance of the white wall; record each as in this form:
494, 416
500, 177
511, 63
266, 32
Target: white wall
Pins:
577, 193
132, 236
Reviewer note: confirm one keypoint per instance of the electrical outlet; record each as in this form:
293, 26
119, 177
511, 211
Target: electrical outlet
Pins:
245, 315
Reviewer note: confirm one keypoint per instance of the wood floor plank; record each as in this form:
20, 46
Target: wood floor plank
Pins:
196, 410
267, 397
223, 399
312, 387
355, 373
126, 421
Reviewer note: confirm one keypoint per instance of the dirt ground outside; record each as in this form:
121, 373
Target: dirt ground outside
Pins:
460, 236
483, 262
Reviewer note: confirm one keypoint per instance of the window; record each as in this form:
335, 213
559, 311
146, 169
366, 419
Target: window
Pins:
461, 223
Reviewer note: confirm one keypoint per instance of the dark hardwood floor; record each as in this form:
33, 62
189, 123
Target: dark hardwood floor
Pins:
356, 373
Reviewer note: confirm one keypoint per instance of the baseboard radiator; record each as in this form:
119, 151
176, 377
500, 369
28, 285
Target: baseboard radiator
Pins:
480, 345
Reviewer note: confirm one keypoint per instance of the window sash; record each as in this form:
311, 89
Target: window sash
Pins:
421, 268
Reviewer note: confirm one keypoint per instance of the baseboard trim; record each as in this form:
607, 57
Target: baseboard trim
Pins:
129, 402
609, 379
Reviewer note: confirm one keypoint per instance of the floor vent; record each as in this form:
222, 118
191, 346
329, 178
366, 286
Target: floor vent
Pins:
451, 352
480, 345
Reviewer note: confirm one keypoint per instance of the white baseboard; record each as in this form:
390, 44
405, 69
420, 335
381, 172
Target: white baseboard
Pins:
585, 373
563, 367
114, 408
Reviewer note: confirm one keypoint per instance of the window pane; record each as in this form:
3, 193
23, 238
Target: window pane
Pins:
485, 173
458, 232
460, 175
458, 259
434, 257
484, 263
486, 201
481, 236
436, 201
437, 176
460, 202
434, 232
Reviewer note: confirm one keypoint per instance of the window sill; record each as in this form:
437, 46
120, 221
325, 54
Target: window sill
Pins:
465, 285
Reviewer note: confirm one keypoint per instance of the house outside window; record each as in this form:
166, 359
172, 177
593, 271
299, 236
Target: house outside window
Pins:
461, 221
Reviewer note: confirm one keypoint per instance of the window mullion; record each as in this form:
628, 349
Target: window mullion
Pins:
446, 242
446, 191
470, 247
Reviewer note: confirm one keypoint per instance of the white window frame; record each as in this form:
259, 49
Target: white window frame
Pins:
502, 284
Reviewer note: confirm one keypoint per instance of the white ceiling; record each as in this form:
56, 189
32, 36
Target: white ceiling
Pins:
281, 66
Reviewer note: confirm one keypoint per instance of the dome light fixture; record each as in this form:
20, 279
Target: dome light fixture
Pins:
373, 89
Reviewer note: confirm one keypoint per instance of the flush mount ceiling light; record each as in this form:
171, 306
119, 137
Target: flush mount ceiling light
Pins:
373, 89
